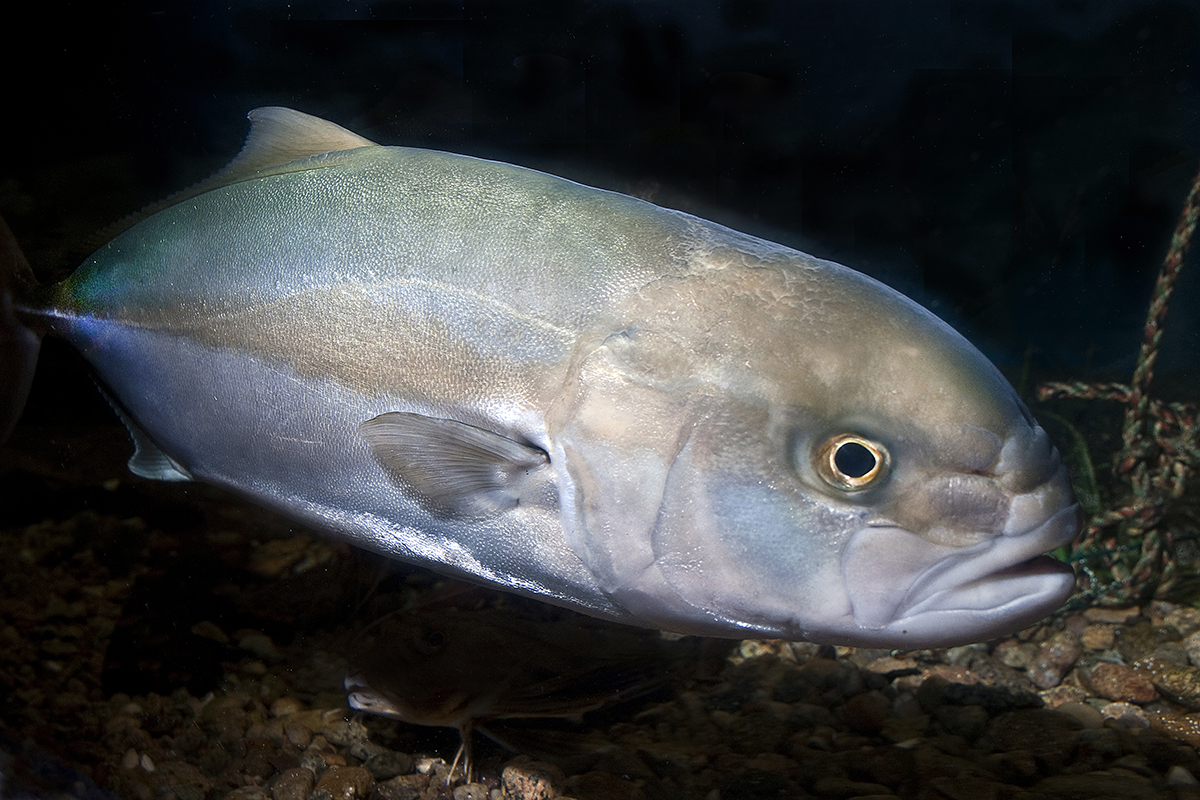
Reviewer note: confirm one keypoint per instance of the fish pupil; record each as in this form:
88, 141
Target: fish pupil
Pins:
854, 460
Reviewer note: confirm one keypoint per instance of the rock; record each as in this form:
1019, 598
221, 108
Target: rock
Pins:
890, 667
248, 793
1191, 644
471, 791
344, 783
1098, 637
403, 787
965, 721
292, 784
1088, 715
1100, 784
867, 712
1118, 616
1016, 654
1125, 715
1140, 641
1051, 735
756, 732
1179, 776
388, 764
286, 706
1120, 683
1185, 619
1181, 684
1056, 656
525, 779
1053, 698
602, 785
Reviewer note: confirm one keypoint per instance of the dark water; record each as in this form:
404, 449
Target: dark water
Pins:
1016, 166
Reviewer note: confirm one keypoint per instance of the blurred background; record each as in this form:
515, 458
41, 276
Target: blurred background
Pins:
1016, 166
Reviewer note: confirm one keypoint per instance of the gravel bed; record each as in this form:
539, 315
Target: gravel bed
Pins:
167, 642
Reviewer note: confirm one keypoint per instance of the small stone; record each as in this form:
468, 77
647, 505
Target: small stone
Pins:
388, 764
1097, 784
292, 784
1186, 620
210, 630
965, 721
1088, 715
1053, 698
1098, 637
130, 759
298, 734
1184, 727
403, 787
610, 787
470, 791
525, 779
1051, 732
285, 706
1125, 715
1140, 641
890, 667
1015, 654
147, 762
248, 793
1191, 644
1179, 776
1115, 616
1120, 683
346, 783
1056, 656
1181, 684
867, 712
259, 644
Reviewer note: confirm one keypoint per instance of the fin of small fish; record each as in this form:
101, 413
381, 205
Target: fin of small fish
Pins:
148, 460
456, 470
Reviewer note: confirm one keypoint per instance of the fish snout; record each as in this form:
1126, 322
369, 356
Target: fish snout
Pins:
977, 570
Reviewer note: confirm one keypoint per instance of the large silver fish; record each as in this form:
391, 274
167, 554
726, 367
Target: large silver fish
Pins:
567, 393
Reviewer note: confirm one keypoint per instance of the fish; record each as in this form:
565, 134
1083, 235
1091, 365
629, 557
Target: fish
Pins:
438, 664
564, 392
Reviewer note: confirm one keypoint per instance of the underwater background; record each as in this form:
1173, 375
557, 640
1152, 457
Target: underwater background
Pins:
1017, 167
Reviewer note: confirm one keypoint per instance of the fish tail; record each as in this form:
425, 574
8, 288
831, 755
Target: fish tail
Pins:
18, 343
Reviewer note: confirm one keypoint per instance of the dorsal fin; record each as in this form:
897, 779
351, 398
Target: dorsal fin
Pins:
278, 136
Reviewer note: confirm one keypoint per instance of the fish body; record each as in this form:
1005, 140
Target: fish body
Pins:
571, 394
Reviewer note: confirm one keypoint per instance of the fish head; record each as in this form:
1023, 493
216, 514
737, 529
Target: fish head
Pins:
781, 446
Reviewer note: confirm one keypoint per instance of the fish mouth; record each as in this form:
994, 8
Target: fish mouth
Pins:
905, 589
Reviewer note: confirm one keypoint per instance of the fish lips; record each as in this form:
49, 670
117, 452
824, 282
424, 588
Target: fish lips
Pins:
904, 588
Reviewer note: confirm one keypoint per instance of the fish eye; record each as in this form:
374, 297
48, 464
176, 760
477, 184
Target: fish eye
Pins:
851, 462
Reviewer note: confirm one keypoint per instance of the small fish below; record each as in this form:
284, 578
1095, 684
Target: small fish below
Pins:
463, 668
563, 392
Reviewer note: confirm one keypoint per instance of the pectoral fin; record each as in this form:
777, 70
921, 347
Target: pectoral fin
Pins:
455, 470
148, 459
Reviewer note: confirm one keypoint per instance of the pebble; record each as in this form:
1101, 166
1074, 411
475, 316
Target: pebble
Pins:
403, 787
1117, 616
1120, 683
1056, 656
1185, 619
1098, 637
1180, 683
1140, 641
344, 783
1125, 715
1016, 654
292, 784
471, 791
